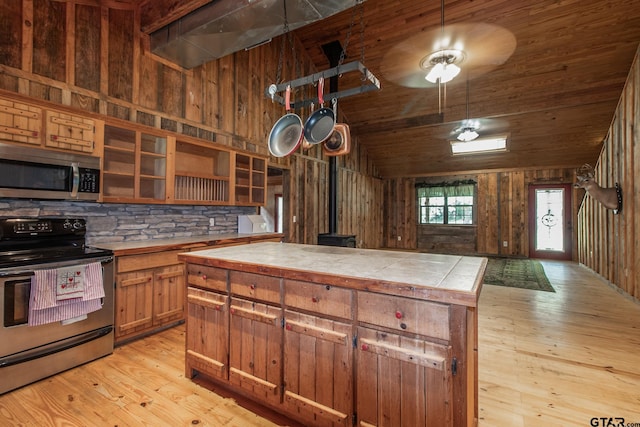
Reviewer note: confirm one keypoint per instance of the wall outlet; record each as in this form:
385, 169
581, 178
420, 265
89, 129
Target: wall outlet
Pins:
505, 243
399, 238
212, 222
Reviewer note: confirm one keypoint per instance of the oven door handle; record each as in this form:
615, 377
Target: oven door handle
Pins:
75, 179
22, 271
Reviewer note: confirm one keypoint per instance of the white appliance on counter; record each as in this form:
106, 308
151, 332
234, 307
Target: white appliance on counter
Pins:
251, 224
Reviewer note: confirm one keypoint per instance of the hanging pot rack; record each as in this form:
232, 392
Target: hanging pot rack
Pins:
369, 82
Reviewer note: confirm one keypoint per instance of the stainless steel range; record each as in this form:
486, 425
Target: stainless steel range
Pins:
29, 248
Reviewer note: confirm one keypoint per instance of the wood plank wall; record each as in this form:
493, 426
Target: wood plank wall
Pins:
608, 243
92, 56
502, 213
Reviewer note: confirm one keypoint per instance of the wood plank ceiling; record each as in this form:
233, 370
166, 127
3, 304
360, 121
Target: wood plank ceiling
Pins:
555, 95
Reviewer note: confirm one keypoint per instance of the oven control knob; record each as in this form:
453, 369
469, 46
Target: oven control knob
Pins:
78, 225
67, 225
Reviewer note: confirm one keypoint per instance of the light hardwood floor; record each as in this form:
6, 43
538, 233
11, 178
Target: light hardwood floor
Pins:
546, 359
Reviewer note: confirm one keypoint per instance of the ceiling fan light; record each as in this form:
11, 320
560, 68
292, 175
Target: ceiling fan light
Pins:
449, 72
443, 71
467, 134
435, 73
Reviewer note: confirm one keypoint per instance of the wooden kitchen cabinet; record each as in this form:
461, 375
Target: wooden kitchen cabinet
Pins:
150, 293
134, 307
51, 127
318, 353
255, 335
255, 349
357, 339
20, 122
318, 370
207, 338
70, 132
134, 166
202, 174
250, 180
402, 381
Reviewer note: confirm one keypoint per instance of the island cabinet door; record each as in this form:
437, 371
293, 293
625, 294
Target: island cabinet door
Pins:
255, 349
207, 340
318, 370
402, 382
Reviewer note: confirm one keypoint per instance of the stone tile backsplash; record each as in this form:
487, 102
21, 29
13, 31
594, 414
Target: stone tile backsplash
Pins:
108, 222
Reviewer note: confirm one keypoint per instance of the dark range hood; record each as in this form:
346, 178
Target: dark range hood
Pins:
222, 27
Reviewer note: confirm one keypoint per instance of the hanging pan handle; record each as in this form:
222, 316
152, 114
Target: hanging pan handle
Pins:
321, 92
287, 98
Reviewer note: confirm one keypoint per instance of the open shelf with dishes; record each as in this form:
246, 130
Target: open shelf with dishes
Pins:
202, 174
144, 165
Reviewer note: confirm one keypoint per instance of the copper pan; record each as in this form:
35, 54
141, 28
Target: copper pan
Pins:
339, 143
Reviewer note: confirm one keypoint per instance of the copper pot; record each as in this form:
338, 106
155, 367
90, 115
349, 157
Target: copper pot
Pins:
339, 143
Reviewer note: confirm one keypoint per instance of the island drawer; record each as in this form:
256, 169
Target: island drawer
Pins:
404, 314
255, 286
207, 277
324, 299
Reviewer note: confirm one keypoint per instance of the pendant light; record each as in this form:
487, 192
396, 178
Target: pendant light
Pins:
469, 127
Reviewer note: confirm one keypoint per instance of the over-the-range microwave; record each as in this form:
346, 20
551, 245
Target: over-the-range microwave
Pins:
34, 173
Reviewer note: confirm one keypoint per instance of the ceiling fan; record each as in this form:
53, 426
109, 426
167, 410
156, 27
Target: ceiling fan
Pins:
478, 47
471, 128
436, 56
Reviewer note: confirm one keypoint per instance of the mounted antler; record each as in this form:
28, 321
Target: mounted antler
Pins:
610, 198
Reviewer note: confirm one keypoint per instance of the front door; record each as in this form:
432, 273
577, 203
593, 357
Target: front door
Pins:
550, 221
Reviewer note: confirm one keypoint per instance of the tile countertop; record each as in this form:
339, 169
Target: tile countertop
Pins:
182, 243
446, 278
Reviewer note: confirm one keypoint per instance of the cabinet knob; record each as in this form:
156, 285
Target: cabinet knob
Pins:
399, 314
252, 286
35, 133
148, 279
288, 327
403, 326
204, 277
365, 347
315, 299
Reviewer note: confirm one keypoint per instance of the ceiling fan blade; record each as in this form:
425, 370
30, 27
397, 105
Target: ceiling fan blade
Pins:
485, 46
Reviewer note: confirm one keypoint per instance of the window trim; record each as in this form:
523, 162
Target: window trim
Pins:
474, 205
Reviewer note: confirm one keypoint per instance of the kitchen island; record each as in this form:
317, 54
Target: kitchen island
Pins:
331, 336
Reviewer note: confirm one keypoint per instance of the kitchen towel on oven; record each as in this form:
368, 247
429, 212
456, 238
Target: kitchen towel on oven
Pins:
44, 307
70, 282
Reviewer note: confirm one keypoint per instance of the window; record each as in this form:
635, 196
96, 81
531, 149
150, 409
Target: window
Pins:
446, 204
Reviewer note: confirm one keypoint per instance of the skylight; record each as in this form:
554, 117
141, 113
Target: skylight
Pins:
480, 145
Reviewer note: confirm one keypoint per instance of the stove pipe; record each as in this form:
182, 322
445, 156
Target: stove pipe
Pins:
333, 51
